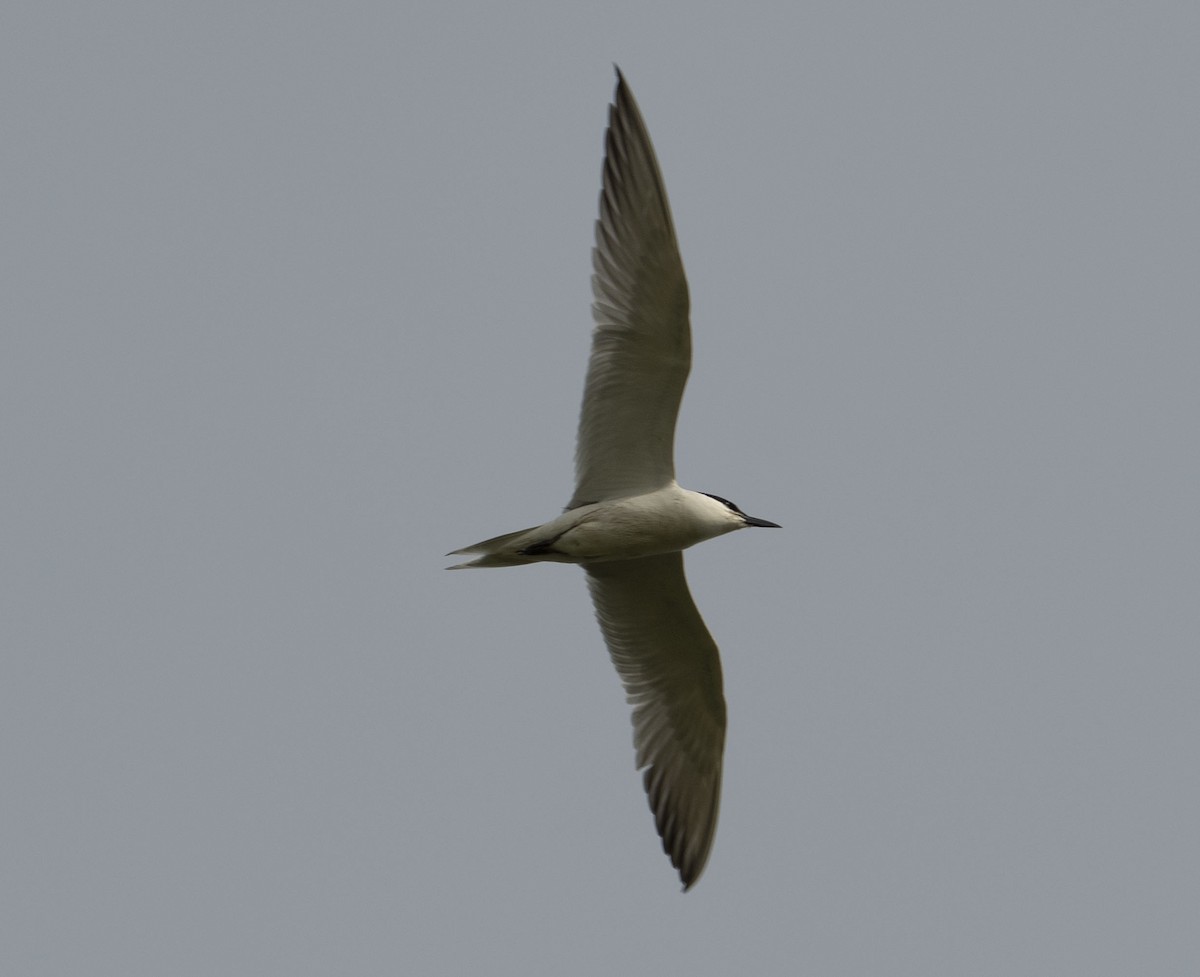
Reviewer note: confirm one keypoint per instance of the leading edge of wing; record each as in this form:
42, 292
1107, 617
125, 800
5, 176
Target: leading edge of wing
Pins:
641, 345
671, 670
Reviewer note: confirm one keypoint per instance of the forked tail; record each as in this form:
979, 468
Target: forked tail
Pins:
499, 551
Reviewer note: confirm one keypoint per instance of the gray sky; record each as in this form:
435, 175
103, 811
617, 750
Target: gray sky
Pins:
296, 301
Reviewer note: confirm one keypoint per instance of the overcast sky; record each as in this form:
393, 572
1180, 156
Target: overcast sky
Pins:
296, 299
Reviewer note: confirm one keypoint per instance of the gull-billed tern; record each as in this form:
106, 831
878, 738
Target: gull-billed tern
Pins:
629, 520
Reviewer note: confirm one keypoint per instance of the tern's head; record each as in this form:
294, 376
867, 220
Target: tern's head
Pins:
737, 518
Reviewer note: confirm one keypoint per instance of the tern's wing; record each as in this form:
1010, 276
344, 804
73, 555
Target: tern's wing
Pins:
641, 346
669, 665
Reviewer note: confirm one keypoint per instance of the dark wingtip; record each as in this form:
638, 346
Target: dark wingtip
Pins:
690, 874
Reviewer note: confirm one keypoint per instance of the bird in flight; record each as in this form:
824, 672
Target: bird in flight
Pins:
629, 520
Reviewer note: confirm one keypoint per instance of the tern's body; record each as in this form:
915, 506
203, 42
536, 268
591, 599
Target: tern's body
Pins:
629, 520
666, 520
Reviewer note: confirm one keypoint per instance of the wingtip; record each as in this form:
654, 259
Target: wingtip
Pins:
692, 874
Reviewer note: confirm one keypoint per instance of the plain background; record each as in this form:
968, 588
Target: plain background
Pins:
296, 300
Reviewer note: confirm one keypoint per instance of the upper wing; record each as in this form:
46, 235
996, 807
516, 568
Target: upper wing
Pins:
642, 345
669, 665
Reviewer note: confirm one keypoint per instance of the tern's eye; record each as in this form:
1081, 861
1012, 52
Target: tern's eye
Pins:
725, 502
